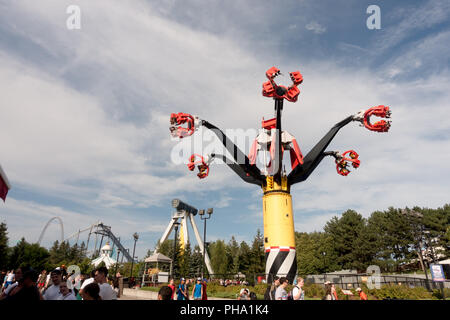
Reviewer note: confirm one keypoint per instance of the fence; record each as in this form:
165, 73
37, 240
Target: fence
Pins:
349, 281
344, 281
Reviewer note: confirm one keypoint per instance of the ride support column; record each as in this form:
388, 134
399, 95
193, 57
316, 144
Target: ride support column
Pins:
279, 234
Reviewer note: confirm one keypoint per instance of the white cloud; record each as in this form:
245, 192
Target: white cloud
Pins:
315, 27
411, 20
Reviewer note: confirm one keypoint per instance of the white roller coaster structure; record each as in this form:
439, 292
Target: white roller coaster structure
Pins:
97, 228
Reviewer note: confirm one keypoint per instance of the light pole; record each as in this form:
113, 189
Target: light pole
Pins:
204, 218
324, 264
117, 262
136, 237
175, 224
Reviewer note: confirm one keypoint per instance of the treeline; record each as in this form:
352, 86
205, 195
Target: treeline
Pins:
40, 258
393, 239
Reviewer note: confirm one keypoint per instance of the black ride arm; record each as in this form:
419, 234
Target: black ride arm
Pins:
242, 161
313, 158
238, 170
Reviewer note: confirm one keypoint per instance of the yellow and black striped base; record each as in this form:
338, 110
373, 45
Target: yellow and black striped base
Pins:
279, 235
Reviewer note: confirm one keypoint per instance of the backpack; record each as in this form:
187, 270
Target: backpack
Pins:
291, 293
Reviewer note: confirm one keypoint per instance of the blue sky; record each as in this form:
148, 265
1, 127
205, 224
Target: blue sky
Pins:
85, 113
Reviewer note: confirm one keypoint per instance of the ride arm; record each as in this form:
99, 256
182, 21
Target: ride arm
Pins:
240, 159
238, 170
315, 156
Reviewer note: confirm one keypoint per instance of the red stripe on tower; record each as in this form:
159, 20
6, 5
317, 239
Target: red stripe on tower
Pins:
4, 184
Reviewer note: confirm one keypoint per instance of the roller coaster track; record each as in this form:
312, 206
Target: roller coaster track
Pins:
98, 229
46, 226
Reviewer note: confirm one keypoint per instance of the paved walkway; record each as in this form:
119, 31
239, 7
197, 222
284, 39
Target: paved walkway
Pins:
137, 294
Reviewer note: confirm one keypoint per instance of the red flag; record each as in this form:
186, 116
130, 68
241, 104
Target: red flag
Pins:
4, 184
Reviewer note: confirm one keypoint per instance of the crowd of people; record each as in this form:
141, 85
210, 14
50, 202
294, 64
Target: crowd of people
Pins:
277, 290
25, 284
184, 291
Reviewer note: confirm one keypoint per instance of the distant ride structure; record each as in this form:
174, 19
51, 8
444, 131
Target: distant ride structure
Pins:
99, 230
185, 213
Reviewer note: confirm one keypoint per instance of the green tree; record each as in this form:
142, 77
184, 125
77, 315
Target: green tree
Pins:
218, 255
4, 250
244, 257
31, 255
436, 224
392, 236
349, 236
185, 261
315, 253
257, 255
233, 255
197, 261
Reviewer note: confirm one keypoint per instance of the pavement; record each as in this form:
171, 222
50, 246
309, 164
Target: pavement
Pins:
137, 294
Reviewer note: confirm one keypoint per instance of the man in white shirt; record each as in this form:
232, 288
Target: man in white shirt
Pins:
87, 281
106, 291
52, 292
66, 293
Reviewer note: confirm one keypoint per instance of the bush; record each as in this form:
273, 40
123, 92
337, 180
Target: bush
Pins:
401, 293
437, 293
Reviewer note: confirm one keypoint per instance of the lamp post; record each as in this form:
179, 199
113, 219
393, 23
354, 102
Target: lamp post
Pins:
175, 224
117, 262
136, 237
204, 218
324, 264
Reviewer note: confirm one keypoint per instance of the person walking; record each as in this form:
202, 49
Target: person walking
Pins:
297, 291
10, 278
361, 293
270, 292
87, 282
181, 291
280, 293
172, 287
41, 280
188, 282
333, 291
52, 292
328, 292
197, 290
204, 295
106, 290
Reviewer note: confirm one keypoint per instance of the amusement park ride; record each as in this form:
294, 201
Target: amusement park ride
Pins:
185, 212
279, 239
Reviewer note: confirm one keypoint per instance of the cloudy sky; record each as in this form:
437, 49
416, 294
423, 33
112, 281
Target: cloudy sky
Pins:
85, 112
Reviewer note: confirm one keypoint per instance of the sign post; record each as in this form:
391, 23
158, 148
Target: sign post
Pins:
437, 274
